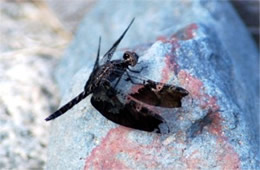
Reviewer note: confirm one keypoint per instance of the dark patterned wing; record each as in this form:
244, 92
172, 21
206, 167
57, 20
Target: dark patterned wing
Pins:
96, 65
107, 57
129, 114
160, 94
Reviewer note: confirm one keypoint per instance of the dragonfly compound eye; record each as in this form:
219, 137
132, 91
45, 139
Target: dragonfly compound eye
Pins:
131, 58
127, 55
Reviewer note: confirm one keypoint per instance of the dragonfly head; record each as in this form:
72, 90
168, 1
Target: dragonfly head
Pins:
131, 58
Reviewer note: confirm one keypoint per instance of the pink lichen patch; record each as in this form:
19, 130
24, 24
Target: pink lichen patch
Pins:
209, 102
171, 67
215, 126
175, 44
116, 142
193, 85
186, 33
171, 63
107, 154
104, 155
166, 72
196, 90
173, 40
194, 160
229, 158
162, 38
226, 157
190, 31
170, 59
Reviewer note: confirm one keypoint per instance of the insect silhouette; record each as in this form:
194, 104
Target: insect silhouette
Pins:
133, 112
130, 113
105, 96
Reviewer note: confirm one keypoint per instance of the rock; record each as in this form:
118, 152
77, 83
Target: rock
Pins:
28, 56
249, 12
70, 17
192, 44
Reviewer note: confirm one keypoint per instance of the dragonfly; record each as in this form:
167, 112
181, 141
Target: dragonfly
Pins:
105, 95
133, 112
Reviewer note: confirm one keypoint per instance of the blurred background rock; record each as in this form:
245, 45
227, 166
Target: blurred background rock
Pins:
248, 10
34, 34
32, 40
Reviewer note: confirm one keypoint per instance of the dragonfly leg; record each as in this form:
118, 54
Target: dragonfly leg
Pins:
117, 81
129, 78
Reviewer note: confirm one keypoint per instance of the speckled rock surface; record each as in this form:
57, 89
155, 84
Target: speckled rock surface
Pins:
28, 56
215, 129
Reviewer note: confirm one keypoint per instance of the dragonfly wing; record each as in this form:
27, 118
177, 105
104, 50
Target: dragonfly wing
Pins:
160, 94
108, 55
129, 114
96, 65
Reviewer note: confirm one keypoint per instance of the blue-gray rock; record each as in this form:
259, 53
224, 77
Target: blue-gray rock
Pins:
201, 46
249, 12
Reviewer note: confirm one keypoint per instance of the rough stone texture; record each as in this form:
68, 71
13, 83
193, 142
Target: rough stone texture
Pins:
71, 17
28, 56
213, 57
70, 12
